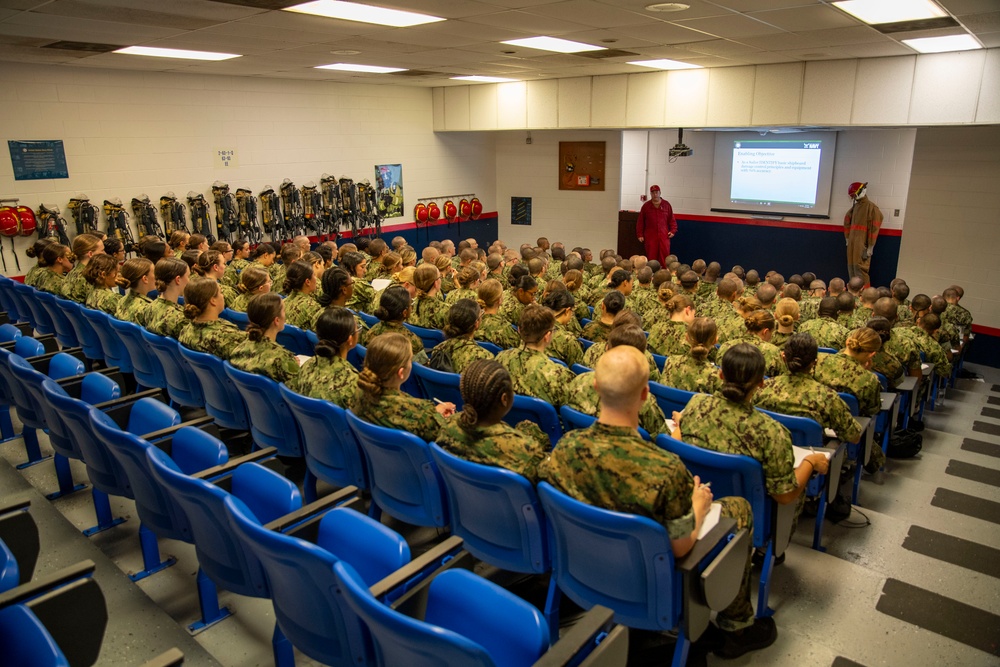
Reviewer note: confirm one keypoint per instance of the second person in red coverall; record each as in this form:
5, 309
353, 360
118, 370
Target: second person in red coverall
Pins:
656, 226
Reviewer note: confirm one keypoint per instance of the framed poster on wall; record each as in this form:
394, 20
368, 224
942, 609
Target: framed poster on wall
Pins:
389, 189
581, 165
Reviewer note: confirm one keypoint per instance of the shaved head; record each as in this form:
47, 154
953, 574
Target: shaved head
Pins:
620, 377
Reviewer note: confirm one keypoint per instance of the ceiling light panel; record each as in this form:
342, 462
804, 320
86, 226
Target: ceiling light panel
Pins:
156, 52
943, 44
554, 44
890, 11
352, 11
664, 63
369, 69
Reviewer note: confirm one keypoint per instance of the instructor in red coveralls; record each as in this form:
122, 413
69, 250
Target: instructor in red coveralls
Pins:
656, 226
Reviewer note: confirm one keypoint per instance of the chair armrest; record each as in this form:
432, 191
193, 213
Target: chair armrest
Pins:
594, 638
312, 510
46, 583
888, 398
118, 403
704, 547
169, 658
19, 532
14, 506
406, 589
716, 547
74, 381
41, 362
215, 474
908, 383
76, 615
164, 432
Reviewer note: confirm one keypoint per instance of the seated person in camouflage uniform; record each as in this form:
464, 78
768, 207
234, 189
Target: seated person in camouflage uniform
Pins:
786, 319
924, 338
379, 400
138, 273
799, 394
328, 375
758, 328
565, 345
260, 352
824, 327
393, 309
34, 251
254, 280
493, 327
459, 329
573, 279
301, 309
479, 434
356, 266
693, 371
178, 242
534, 374
58, 260
584, 397
900, 345
604, 316
75, 286
338, 287
290, 253
429, 309
947, 335
102, 274
212, 265
521, 294
446, 269
608, 465
240, 261
846, 305
622, 319
900, 295
165, 317
466, 283
955, 314
883, 362
670, 337
377, 251
205, 332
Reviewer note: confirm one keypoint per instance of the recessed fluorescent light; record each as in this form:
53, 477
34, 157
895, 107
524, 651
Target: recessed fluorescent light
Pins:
663, 63
943, 44
371, 69
554, 44
874, 12
352, 11
483, 79
175, 53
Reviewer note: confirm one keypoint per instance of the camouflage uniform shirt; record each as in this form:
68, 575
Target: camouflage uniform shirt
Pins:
265, 357
902, 346
669, 338
394, 409
583, 397
845, 375
33, 275
239, 304
596, 331
461, 293
932, 351
231, 276
889, 366
165, 318
511, 308
416, 343
104, 299
773, 364
682, 371
463, 352
800, 395
52, 282
519, 449
534, 374
133, 308
826, 332
958, 317
494, 328
301, 310
597, 350
778, 338
565, 346
362, 298
217, 337
328, 378
808, 307
429, 312
75, 287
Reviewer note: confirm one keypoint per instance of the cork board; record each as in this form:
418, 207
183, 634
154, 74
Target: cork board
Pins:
581, 165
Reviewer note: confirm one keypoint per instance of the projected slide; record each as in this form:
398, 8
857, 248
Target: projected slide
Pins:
775, 172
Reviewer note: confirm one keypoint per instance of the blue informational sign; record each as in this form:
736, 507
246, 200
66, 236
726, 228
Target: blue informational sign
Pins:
33, 160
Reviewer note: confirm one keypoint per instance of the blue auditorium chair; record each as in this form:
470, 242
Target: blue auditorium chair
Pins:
145, 365
239, 319
41, 322
85, 334
183, 386
669, 399
439, 384
115, 353
64, 331
430, 337
574, 419
271, 422
538, 411
223, 401
295, 340
489, 347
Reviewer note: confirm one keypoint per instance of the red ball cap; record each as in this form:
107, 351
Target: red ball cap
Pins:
853, 188
654, 188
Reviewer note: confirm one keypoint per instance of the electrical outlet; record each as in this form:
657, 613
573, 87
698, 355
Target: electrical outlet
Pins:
896, 213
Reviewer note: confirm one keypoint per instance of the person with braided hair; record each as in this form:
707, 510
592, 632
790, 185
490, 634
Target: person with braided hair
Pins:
301, 309
212, 264
338, 288
693, 371
446, 269
205, 332
394, 309
102, 275
597, 330
479, 434
254, 280
533, 372
166, 316
138, 273
493, 327
758, 328
75, 287
428, 310
463, 320
240, 261
799, 394
565, 345
260, 352
786, 319
658, 313
328, 375
584, 397
379, 400
670, 337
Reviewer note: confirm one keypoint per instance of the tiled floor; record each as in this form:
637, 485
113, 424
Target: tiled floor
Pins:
827, 604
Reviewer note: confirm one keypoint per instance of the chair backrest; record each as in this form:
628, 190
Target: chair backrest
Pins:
405, 481
63, 365
296, 341
239, 319
620, 561
827, 350
431, 337
28, 347
805, 432
730, 475
574, 419
145, 365
370, 320
313, 618
25, 640
223, 401
538, 411
489, 347
26, 391
658, 358
356, 356
497, 513
440, 385
9, 333
65, 333
883, 381
271, 422
669, 399
85, 334
332, 452
852, 402
579, 369
104, 471
221, 552
585, 344
182, 384
10, 573
41, 322
114, 350
149, 415
7, 300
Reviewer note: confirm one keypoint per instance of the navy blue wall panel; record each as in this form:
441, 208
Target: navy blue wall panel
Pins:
484, 230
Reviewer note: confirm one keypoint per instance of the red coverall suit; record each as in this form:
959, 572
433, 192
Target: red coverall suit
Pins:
656, 225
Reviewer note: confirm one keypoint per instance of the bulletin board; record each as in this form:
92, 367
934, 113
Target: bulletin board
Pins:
581, 165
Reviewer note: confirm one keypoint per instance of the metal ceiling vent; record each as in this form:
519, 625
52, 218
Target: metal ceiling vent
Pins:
89, 47
606, 53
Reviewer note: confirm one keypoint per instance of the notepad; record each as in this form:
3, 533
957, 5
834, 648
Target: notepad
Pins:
302, 358
671, 425
802, 452
829, 433
711, 519
380, 284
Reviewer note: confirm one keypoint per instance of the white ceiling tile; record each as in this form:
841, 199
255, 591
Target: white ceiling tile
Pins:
596, 14
448, 34
759, 5
84, 29
307, 23
813, 17
960, 7
128, 14
779, 42
697, 9
623, 38
733, 26
990, 40
247, 30
877, 50
841, 36
766, 58
985, 22
449, 9
524, 21
669, 33
720, 47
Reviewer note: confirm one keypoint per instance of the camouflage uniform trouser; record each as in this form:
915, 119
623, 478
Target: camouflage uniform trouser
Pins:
739, 614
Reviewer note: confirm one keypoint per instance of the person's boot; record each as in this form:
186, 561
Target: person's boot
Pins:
838, 510
760, 635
